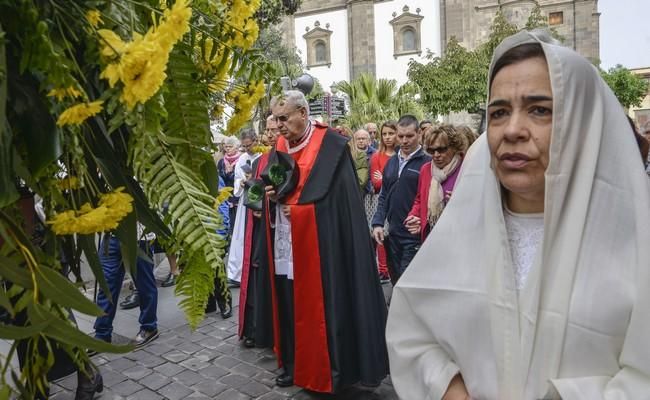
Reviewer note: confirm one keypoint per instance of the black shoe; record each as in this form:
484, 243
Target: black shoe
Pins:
87, 386
143, 337
384, 279
130, 301
91, 352
211, 307
249, 342
170, 281
226, 309
284, 380
233, 283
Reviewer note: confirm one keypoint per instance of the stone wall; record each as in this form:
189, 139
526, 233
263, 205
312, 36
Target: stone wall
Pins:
587, 29
288, 29
311, 6
361, 37
469, 20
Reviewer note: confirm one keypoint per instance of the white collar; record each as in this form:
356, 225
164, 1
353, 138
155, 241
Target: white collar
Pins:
308, 131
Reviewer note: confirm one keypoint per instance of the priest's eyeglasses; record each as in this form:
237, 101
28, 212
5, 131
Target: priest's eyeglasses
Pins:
285, 118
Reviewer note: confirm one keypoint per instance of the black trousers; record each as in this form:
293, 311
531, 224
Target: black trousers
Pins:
400, 251
284, 288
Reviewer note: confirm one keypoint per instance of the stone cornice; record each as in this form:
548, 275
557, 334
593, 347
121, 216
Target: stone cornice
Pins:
320, 10
498, 4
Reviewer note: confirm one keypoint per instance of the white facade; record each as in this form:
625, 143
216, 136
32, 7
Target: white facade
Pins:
387, 66
337, 22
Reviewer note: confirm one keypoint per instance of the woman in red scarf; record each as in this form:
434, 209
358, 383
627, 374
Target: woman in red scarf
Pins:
226, 168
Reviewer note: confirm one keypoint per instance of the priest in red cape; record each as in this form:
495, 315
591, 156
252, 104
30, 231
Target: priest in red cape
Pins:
328, 306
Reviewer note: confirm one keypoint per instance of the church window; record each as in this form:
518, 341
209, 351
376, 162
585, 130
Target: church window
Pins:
556, 18
320, 50
406, 32
408, 39
318, 46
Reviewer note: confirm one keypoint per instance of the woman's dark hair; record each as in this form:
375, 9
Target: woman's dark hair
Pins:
516, 55
248, 133
424, 122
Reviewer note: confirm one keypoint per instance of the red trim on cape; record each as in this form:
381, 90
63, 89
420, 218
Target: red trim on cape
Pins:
274, 298
248, 248
312, 361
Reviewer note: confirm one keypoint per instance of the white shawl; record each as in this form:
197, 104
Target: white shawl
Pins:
580, 327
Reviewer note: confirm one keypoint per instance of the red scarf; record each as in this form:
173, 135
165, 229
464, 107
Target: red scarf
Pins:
230, 161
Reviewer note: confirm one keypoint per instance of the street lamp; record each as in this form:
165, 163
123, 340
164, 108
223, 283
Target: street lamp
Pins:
304, 83
334, 88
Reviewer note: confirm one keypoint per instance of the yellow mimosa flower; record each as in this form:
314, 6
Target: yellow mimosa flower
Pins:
62, 93
112, 208
176, 23
223, 195
94, 18
112, 44
78, 113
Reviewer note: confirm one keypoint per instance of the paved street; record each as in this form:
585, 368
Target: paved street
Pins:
209, 363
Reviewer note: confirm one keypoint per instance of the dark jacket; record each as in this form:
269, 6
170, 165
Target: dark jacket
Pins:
228, 178
398, 192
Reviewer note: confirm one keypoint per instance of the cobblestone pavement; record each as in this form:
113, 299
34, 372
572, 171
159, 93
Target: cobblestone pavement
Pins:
208, 363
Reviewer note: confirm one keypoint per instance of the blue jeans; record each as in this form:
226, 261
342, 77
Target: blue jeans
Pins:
400, 251
111, 259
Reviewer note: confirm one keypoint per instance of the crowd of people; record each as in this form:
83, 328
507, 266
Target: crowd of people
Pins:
519, 257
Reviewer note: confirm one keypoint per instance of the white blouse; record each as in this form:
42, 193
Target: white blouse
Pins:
525, 233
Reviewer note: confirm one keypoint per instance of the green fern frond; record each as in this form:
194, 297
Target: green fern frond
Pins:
186, 101
192, 284
194, 219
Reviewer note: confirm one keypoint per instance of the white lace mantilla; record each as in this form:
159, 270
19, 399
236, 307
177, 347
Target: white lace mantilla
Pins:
525, 233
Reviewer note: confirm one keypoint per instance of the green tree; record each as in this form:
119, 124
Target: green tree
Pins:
378, 100
457, 80
271, 11
454, 82
283, 61
629, 88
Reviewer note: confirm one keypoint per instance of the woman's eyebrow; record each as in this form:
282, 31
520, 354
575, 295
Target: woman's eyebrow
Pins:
525, 99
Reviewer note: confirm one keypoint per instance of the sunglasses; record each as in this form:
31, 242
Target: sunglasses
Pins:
440, 150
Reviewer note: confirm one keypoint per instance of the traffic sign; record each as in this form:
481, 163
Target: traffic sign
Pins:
317, 107
338, 107
328, 105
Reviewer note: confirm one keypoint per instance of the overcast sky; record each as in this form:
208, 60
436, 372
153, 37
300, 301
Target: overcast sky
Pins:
624, 33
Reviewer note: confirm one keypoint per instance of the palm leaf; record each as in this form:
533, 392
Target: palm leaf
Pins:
385, 91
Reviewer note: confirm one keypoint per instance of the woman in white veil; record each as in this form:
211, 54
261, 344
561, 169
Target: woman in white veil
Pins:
535, 282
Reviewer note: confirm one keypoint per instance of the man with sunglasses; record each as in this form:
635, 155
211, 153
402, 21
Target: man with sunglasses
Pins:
331, 336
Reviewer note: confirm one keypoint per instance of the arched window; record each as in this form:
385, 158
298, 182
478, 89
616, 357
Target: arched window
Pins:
318, 46
320, 50
406, 33
408, 40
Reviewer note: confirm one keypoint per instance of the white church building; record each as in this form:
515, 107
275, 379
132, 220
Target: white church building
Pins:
339, 39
